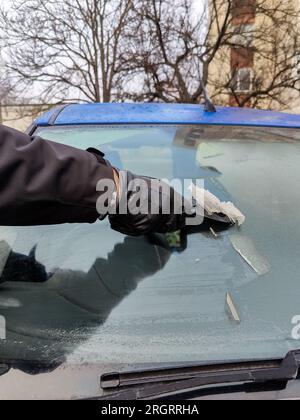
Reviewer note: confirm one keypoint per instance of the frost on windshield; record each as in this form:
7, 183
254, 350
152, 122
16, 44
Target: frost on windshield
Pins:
210, 295
247, 250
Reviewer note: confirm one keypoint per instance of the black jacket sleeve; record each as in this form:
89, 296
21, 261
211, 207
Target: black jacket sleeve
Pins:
43, 182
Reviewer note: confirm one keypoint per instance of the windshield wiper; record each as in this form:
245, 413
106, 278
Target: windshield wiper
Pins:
174, 381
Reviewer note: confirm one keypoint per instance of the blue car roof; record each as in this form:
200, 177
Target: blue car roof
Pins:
156, 113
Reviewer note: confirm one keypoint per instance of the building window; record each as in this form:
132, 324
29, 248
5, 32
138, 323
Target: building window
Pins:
243, 36
242, 80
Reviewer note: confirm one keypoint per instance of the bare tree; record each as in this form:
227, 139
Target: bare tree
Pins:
5, 90
5, 94
262, 39
176, 49
167, 51
62, 50
153, 50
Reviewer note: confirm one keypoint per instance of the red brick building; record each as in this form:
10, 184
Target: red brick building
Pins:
242, 57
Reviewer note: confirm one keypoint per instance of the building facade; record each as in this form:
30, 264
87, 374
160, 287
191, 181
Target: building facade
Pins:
255, 54
20, 116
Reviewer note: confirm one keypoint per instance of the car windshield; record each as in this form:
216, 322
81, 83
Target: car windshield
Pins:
92, 295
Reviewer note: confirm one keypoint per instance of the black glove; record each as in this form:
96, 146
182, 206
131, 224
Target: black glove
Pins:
158, 195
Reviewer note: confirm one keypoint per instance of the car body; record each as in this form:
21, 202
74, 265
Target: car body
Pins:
113, 303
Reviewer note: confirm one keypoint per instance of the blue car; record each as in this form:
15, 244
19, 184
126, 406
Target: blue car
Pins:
211, 313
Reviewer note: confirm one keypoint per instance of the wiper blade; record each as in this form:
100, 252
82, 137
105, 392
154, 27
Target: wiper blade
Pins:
147, 384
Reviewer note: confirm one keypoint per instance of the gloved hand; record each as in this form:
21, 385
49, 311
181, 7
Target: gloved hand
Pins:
147, 194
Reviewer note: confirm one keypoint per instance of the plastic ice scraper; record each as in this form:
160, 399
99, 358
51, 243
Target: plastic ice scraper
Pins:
213, 207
